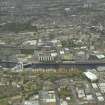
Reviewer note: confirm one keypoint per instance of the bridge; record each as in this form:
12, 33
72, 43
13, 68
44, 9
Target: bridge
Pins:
68, 64
10, 64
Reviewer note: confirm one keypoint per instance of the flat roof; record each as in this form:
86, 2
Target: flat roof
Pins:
90, 75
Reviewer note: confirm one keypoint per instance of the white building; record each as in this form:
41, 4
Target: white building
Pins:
81, 93
47, 97
102, 87
100, 98
91, 76
89, 97
31, 103
64, 103
94, 85
100, 56
30, 42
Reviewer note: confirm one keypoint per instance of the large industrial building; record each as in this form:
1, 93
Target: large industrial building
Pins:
91, 76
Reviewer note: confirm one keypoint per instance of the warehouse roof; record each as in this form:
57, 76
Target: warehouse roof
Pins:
90, 76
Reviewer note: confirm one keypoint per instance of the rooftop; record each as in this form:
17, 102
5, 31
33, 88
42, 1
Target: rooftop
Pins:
91, 76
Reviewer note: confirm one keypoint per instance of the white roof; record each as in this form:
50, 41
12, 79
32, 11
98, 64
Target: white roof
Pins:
31, 103
54, 41
102, 87
67, 9
62, 52
90, 76
50, 100
94, 85
89, 97
100, 98
83, 47
100, 56
67, 49
64, 103
93, 70
30, 42
53, 54
98, 94
68, 98
102, 84
81, 93
51, 92
81, 53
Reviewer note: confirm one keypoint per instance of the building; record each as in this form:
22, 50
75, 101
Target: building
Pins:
81, 55
47, 57
102, 87
101, 68
31, 103
64, 102
100, 56
89, 97
91, 76
95, 86
100, 98
80, 93
33, 100
47, 98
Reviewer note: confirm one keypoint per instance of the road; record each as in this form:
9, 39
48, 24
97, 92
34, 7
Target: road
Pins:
71, 85
57, 96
